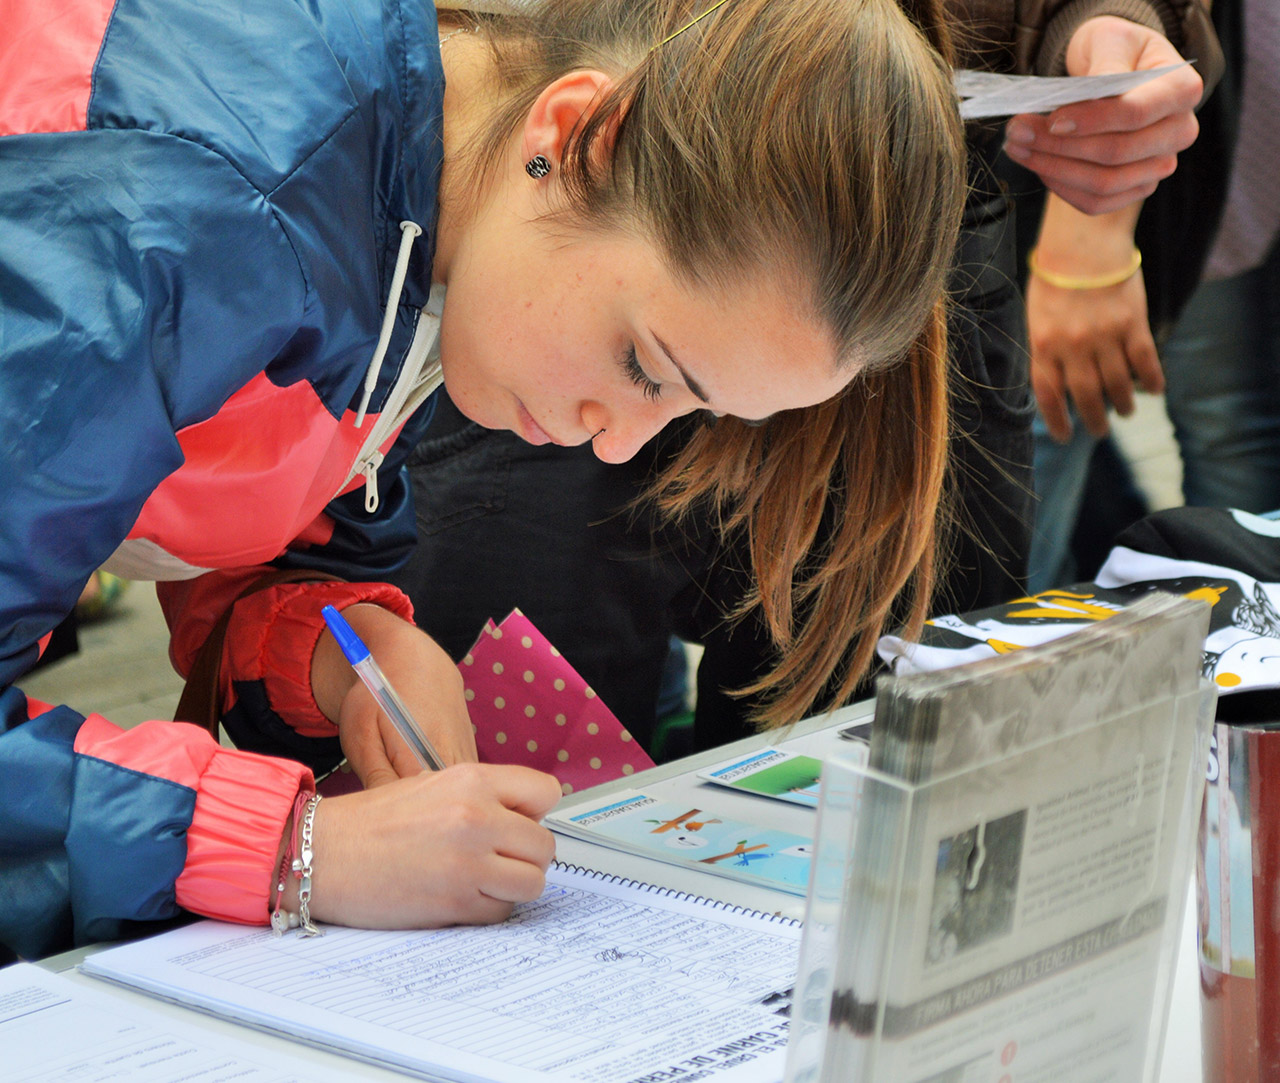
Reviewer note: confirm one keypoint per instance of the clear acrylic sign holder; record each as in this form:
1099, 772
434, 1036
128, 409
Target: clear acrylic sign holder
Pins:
1015, 920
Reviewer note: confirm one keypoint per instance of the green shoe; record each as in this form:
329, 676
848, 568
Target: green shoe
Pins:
100, 596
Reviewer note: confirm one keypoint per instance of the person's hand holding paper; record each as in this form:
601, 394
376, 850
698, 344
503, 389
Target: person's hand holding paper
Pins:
1103, 155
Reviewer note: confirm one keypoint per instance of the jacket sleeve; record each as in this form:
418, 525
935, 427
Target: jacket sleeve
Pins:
121, 305
1184, 22
264, 676
264, 684
105, 828
1031, 36
124, 319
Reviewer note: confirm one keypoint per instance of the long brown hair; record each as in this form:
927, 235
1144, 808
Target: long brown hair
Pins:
818, 141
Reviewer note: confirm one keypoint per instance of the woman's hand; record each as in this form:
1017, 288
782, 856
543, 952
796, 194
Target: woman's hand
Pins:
1088, 346
1103, 155
459, 846
419, 670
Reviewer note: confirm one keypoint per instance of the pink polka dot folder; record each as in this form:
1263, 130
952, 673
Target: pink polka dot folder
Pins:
529, 706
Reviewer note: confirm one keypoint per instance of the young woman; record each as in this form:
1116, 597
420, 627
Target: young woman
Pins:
241, 244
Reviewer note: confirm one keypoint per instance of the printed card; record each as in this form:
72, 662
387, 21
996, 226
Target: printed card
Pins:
784, 776
680, 833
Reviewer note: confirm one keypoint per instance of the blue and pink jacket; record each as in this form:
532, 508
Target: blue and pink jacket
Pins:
201, 210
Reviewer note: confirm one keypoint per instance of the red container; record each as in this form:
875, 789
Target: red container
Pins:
1238, 898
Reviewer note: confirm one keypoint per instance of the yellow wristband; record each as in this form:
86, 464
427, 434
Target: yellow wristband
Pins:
1082, 282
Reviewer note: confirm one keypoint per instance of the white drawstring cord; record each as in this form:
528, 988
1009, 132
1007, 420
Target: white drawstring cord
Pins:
370, 472
409, 231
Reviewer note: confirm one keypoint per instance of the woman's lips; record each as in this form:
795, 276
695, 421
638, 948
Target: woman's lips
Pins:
530, 431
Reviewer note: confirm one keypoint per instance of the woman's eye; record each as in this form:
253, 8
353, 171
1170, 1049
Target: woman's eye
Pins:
637, 375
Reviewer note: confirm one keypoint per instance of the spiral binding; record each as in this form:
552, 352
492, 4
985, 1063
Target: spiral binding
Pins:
671, 893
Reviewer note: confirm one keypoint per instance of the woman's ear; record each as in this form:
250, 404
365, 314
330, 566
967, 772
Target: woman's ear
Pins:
559, 109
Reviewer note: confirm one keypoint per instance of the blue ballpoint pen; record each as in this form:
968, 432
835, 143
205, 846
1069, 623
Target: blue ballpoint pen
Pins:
376, 681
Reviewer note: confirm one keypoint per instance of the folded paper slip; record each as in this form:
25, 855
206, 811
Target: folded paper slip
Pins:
529, 706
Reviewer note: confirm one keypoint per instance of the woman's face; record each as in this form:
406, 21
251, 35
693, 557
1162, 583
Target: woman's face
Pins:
561, 340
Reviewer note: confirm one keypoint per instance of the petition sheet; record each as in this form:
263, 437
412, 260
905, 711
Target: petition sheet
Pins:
599, 981
52, 1029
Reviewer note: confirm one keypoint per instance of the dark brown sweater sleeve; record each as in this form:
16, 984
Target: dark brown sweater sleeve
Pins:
1031, 36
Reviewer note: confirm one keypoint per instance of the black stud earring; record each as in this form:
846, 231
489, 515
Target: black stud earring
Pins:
538, 166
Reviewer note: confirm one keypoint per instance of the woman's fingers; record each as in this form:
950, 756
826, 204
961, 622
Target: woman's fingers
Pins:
436, 849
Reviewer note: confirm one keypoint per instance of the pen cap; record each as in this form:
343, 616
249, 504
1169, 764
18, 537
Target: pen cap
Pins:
352, 645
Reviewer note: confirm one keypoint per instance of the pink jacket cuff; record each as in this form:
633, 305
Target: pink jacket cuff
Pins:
242, 806
274, 634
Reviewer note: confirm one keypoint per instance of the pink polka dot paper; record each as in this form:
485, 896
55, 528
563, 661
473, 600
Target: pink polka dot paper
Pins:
529, 706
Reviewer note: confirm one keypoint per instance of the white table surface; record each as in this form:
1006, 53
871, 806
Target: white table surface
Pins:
1181, 1054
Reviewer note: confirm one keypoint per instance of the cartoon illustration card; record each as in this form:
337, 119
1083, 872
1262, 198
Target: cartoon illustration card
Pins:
681, 833
786, 776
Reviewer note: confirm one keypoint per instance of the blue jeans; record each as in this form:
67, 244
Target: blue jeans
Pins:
1222, 367
1088, 495
1061, 471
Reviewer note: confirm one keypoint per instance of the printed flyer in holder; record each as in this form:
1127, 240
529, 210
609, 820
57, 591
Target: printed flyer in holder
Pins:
999, 892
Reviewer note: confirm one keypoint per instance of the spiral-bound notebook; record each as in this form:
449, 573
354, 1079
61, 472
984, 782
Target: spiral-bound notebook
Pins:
601, 980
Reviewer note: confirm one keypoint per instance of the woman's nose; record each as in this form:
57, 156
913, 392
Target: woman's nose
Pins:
618, 443
620, 434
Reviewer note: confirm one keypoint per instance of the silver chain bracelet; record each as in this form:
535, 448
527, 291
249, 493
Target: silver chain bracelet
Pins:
302, 870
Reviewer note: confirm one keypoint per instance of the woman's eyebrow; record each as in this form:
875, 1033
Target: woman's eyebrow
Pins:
689, 381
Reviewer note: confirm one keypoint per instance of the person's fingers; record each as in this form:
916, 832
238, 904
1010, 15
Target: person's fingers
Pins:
1091, 203
1144, 361
365, 750
1164, 138
374, 774
1117, 380
483, 910
522, 839
464, 745
1085, 387
450, 732
462, 739
403, 761
1169, 96
508, 880
1099, 182
1109, 44
472, 906
1046, 383
524, 790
